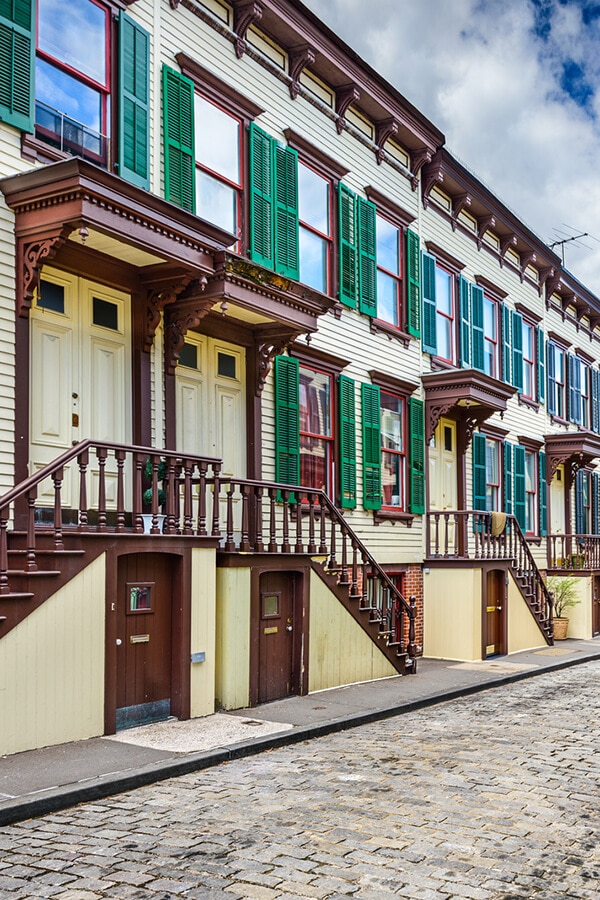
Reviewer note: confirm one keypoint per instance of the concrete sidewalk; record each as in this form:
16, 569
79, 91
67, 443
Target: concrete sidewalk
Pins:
37, 782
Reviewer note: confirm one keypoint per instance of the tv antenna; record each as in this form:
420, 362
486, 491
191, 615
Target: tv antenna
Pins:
567, 238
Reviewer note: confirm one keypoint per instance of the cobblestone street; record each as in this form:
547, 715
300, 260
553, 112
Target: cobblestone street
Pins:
492, 796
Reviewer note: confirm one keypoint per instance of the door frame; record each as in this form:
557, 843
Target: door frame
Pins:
301, 575
486, 571
181, 618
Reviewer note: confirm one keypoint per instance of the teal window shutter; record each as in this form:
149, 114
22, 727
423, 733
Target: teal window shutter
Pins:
574, 392
348, 246
347, 443
367, 257
287, 420
287, 258
413, 282
517, 351
479, 472
465, 322
416, 416
508, 478
541, 365
550, 372
595, 503
519, 486
506, 346
261, 163
17, 48
178, 127
595, 398
543, 496
477, 354
579, 507
134, 102
371, 437
429, 328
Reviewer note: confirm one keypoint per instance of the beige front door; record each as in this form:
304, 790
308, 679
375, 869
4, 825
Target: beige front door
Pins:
557, 501
211, 398
80, 377
443, 486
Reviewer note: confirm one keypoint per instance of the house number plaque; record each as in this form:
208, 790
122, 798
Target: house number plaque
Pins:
273, 630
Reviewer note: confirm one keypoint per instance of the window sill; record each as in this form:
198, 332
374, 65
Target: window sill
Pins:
393, 515
379, 326
556, 420
38, 151
526, 401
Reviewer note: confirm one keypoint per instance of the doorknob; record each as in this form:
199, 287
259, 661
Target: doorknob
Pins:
499, 608
289, 628
119, 642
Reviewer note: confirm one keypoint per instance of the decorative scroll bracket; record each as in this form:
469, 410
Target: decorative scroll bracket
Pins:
345, 96
418, 158
159, 296
483, 225
268, 347
458, 204
187, 314
384, 129
432, 175
506, 242
473, 419
434, 412
245, 14
31, 256
300, 57
526, 259
545, 275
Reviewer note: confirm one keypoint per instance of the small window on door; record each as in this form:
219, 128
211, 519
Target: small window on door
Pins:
105, 314
270, 606
226, 365
139, 598
51, 296
189, 356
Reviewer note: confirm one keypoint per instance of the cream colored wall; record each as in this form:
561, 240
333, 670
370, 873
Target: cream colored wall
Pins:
452, 614
339, 651
232, 683
523, 633
580, 616
52, 668
203, 639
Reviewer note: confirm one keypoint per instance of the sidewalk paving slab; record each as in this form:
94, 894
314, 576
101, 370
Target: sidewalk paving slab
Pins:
38, 782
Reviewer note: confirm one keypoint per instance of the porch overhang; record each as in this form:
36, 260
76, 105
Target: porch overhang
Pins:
575, 449
73, 207
466, 394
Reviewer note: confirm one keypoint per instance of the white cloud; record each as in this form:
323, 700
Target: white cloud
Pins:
487, 75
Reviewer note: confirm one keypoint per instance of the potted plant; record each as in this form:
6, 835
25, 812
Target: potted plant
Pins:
148, 495
565, 596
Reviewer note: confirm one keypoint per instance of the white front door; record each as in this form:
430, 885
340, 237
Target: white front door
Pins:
443, 485
80, 377
557, 501
211, 402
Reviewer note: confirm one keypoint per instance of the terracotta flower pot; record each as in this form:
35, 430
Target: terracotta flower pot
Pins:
561, 626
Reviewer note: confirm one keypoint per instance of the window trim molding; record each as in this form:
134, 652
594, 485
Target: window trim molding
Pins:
454, 265
217, 91
392, 385
490, 288
396, 214
326, 362
324, 164
528, 314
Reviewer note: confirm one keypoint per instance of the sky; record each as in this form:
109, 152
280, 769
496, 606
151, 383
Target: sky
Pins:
515, 87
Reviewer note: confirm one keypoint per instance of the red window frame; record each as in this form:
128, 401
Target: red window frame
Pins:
491, 341
531, 494
326, 238
395, 276
103, 89
447, 317
493, 501
309, 435
397, 454
529, 361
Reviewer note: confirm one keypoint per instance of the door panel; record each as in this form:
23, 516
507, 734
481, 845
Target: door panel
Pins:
443, 484
495, 612
557, 502
278, 634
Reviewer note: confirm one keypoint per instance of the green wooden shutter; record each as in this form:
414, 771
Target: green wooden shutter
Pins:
506, 345
517, 351
178, 126
594, 399
261, 156
541, 365
477, 355
134, 102
17, 48
416, 416
579, 507
508, 478
367, 257
287, 420
287, 254
595, 503
347, 443
519, 485
348, 241
429, 334
465, 322
413, 282
550, 372
574, 389
543, 494
371, 436
479, 472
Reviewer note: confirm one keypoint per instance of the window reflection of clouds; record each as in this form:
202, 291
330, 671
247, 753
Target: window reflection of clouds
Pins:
75, 34
217, 140
67, 95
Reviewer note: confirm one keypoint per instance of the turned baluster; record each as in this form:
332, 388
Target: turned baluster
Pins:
354, 593
344, 564
245, 531
83, 460
322, 535
31, 564
188, 527
272, 521
259, 546
216, 519
285, 542
299, 546
101, 453
57, 478
138, 522
120, 458
4, 585
312, 547
332, 545
446, 534
229, 542
365, 584
155, 463
202, 469
172, 511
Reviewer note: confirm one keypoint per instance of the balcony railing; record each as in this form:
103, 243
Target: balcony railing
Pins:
574, 551
69, 136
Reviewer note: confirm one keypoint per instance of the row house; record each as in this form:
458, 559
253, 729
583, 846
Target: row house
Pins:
287, 397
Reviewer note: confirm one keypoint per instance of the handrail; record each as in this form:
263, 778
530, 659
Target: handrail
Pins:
573, 551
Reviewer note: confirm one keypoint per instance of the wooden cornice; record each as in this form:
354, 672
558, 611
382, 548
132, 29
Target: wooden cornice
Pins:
245, 14
469, 394
384, 130
345, 96
299, 58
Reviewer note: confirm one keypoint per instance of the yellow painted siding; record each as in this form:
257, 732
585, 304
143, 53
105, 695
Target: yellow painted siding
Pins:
452, 614
339, 650
523, 633
232, 688
580, 616
202, 675
52, 668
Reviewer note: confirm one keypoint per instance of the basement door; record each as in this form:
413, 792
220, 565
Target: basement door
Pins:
211, 401
80, 377
494, 615
278, 640
144, 638
443, 485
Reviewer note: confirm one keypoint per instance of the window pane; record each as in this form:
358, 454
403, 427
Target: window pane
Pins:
105, 313
313, 462
387, 298
216, 202
313, 199
60, 91
392, 480
388, 253
313, 260
315, 402
391, 423
74, 34
443, 291
444, 337
217, 137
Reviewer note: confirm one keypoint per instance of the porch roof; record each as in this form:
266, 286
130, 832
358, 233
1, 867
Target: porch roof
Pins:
464, 393
580, 448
